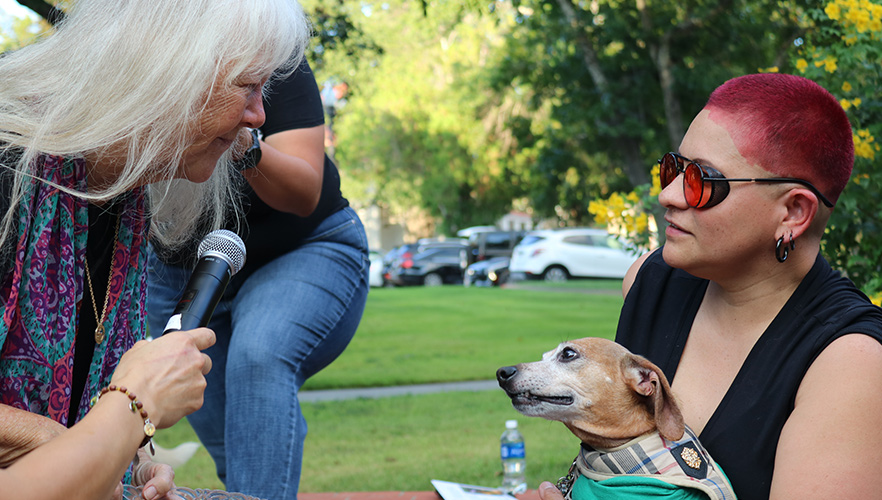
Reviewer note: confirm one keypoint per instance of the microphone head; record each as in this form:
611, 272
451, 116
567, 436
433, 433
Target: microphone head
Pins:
226, 245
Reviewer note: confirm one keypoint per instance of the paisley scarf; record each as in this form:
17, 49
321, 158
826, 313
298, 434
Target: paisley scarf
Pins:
41, 294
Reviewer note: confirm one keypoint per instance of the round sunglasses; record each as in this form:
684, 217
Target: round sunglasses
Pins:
705, 187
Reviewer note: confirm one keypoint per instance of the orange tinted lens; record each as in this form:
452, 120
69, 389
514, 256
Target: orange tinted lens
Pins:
693, 186
667, 170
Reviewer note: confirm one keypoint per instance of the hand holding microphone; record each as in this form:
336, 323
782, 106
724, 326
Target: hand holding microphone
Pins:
221, 255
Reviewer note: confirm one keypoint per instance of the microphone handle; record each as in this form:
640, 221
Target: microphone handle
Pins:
203, 293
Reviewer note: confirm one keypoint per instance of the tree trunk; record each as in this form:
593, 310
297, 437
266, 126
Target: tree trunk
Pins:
45, 10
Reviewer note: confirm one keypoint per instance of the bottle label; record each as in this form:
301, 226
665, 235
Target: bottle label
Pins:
512, 450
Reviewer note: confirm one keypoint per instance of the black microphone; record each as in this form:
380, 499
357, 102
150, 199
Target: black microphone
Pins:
221, 255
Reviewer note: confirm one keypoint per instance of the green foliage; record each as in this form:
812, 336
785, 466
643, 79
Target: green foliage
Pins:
23, 31
461, 108
612, 83
844, 54
417, 131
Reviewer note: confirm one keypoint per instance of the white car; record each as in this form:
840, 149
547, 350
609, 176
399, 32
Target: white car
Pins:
376, 273
561, 254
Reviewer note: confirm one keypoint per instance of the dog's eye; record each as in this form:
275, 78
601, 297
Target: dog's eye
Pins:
568, 354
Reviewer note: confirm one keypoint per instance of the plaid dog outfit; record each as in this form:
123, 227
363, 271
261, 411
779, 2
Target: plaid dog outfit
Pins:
683, 463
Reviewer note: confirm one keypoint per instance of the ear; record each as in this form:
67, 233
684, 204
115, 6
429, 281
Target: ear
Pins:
802, 208
648, 381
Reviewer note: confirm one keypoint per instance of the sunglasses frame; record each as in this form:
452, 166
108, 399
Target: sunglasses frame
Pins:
717, 186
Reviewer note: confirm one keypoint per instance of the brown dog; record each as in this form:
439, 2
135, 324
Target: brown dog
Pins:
622, 409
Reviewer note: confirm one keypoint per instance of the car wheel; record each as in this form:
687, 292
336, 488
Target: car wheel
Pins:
556, 274
433, 279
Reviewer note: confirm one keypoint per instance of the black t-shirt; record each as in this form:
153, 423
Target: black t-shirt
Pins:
290, 104
742, 434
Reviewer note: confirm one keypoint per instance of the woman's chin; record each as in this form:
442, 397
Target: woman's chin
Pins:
199, 171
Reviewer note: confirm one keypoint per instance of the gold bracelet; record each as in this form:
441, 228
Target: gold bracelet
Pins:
136, 406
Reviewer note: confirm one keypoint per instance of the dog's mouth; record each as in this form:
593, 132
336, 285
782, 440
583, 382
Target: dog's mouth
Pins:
529, 399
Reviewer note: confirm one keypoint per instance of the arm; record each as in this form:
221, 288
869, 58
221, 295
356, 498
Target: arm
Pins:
22, 431
87, 461
290, 173
832, 440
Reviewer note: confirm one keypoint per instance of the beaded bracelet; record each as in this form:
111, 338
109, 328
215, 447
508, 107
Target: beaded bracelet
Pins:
135, 406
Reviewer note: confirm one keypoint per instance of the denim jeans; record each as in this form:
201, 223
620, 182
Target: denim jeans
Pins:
288, 320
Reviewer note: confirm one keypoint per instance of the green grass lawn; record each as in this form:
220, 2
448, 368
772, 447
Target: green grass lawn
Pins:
424, 335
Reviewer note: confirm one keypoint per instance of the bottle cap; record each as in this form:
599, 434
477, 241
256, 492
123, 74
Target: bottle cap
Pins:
511, 424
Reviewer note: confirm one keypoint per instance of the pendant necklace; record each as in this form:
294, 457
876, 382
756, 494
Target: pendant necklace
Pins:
99, 330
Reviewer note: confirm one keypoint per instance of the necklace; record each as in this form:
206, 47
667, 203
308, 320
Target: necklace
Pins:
99, 330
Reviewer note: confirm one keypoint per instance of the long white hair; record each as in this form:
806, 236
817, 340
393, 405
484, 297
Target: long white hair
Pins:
134, 76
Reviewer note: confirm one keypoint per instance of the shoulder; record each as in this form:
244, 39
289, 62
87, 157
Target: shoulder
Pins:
631, 275
293, 103
833, 431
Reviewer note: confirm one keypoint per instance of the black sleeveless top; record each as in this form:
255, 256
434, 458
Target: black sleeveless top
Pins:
742, 434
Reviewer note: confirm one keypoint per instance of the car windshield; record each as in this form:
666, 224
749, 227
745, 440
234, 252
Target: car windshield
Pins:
438, 252
531, 238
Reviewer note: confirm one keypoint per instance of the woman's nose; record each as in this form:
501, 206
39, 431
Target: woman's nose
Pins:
672, 195
254, 115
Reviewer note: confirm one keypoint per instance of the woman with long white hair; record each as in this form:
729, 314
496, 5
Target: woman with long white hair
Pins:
119, 124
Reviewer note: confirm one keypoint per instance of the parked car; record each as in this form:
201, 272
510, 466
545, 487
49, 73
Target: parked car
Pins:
488, 244
404, 252
490, 272
376, 270
436, 265
465, 233
561, 254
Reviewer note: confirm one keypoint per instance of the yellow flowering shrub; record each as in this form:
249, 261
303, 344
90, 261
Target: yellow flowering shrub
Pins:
627, 214
841, 51
865, 145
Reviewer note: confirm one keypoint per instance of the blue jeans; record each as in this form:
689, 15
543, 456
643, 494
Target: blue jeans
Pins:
288, 320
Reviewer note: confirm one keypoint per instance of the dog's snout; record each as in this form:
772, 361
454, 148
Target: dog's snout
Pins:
505, 373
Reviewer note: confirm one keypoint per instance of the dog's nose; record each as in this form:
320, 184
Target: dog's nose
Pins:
505, 373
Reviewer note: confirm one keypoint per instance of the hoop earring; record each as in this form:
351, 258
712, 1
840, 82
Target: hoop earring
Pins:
782, 250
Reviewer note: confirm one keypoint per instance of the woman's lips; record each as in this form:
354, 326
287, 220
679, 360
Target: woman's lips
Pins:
673, 228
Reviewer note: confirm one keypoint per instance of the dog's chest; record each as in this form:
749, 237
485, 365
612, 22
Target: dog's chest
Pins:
652, 462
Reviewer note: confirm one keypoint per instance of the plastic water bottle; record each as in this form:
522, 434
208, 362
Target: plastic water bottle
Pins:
514, 460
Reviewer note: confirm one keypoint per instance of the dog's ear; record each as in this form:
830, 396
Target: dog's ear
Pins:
647, 380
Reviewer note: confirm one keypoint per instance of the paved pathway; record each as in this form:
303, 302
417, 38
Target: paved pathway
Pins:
401, 390
394, 495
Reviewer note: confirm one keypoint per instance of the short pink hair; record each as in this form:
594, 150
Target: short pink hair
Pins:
788, 125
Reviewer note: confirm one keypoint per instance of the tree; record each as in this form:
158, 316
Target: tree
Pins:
422, 127
621, 79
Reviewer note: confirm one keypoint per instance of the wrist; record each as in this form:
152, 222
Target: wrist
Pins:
135, 406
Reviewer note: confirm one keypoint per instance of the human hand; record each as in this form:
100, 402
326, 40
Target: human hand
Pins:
150, 481
548, 491
157, 480
22, 432
167, 374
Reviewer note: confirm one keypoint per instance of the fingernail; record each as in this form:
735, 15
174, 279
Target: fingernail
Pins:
149, 493
545, 485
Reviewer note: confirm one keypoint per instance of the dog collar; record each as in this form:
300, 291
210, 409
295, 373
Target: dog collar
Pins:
683, 463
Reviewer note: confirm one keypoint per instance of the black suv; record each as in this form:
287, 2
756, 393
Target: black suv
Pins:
436, 265
489, 244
